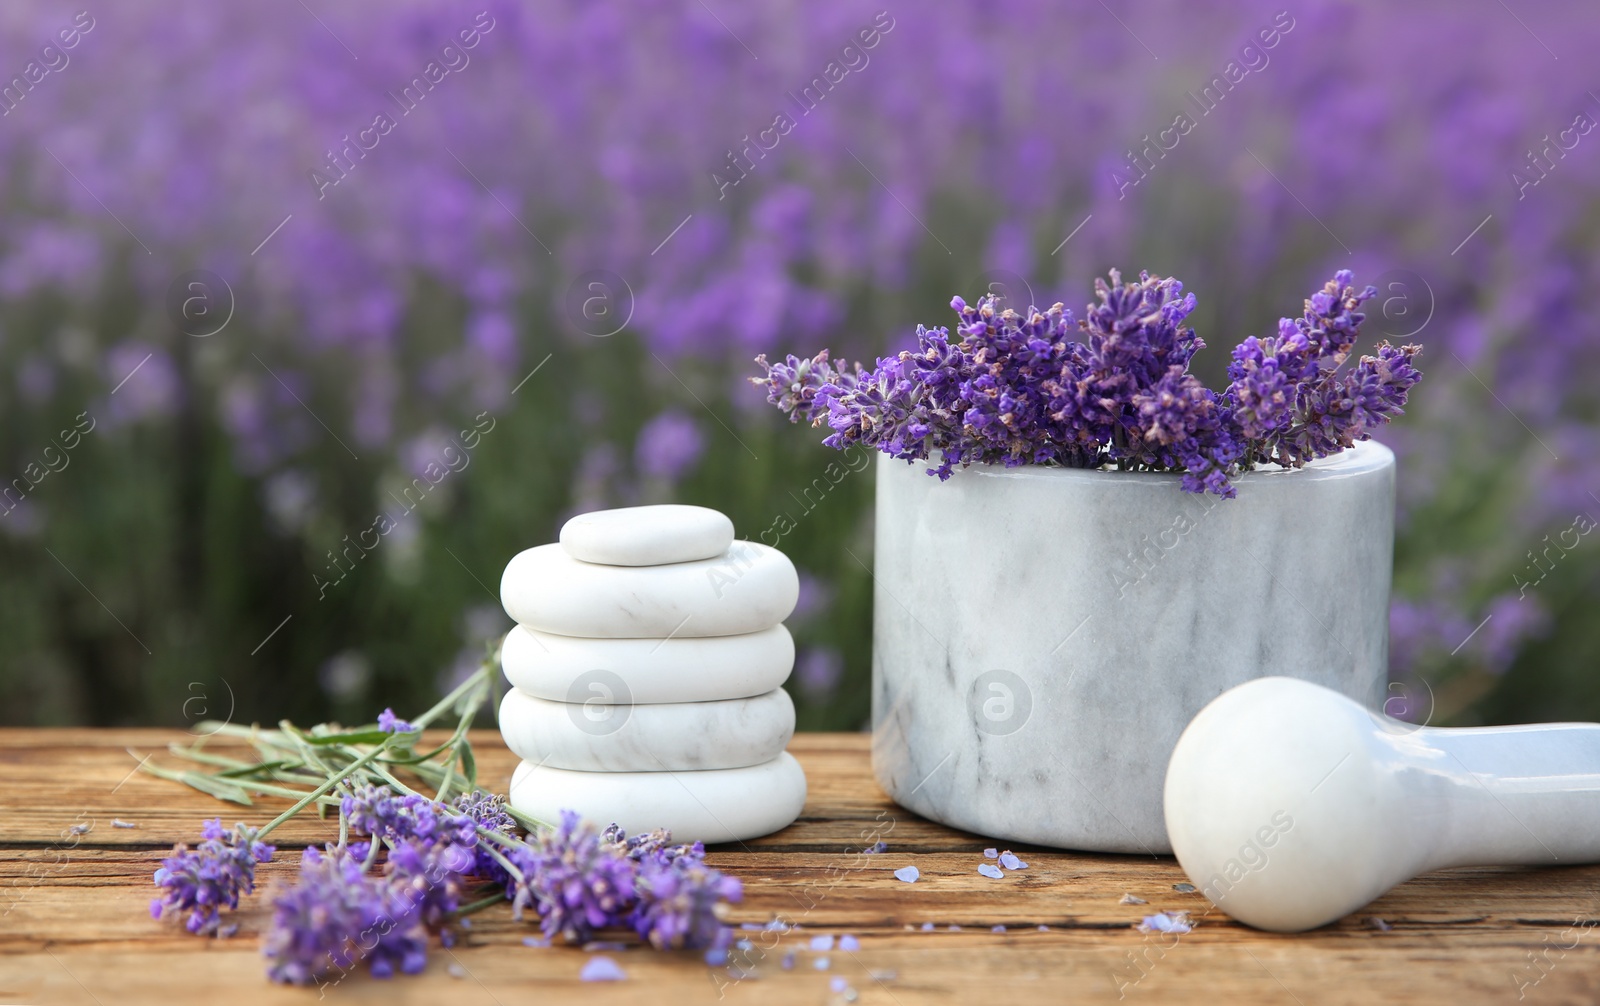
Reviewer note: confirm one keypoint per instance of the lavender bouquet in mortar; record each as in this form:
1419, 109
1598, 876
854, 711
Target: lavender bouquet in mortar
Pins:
1112, 388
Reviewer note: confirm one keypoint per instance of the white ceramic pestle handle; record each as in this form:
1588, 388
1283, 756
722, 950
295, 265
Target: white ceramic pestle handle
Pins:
1290, 806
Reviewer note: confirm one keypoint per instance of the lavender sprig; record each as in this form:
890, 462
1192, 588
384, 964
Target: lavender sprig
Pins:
204, 880
1037, 388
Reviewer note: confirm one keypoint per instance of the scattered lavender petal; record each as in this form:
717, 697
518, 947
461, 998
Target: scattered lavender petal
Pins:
822, 943
535, 941
909, 874
602, 969
80, 828
997, 929
744, 945
788, 961
777, 926
849, 942
233, 927
875, 848
1043, 928
1184, 888
1131, 899
991, 853
1373, 922
1009, 860
927, 927
990, 870
717, 957
750, 926
822, 963
465, 923
954, 928
118, 822
1166, 922
837, 984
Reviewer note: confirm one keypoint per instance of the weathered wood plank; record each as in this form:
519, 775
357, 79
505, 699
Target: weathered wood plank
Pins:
75, 926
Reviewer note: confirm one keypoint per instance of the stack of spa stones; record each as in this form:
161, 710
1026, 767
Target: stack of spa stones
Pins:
649, 657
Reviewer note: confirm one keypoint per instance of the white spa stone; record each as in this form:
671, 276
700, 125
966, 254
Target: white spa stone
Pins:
647, 535
682, 669
748, 588
671, 737
721, 805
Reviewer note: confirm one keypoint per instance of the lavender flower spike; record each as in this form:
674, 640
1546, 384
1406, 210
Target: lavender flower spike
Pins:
679, 904
576, 882
210, 877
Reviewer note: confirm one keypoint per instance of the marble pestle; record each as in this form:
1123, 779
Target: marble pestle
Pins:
1290, 806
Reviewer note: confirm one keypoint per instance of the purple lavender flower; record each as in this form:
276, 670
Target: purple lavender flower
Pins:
679, 901
669, 446
1013, 389
577, 882
389, 723
378, 811
336, 916
428, 877
210, 877
794, 385
487, 810
656, 845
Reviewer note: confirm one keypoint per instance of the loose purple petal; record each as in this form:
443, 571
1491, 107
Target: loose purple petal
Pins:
991, 853
909, 874
838, 985
990, 870
1009, 860
821, 963
822, 943
602, 969
849, 942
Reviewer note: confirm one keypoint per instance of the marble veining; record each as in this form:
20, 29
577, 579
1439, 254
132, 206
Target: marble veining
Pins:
1041, 636
676, 736
680, 669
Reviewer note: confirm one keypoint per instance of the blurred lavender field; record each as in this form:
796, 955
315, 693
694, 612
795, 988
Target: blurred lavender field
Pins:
265, 267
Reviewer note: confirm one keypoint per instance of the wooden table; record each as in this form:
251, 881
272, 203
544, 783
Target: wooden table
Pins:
77, 930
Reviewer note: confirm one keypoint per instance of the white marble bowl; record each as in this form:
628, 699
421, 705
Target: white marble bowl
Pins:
1041, 636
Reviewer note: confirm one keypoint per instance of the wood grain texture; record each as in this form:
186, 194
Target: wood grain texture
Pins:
76, 927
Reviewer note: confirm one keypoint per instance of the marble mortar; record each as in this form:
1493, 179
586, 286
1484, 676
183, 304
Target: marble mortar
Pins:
1041, 636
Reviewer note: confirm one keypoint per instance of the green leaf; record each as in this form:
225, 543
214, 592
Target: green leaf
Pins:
215, 787
352, 737
469, 766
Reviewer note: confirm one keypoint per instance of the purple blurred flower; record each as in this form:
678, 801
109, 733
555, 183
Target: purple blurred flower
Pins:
669, 446
679, 901
335, 916
389, 723
818, 670
209, 877
576, 882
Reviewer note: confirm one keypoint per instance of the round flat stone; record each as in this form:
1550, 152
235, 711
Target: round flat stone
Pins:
748, 588
592, 736
681, 669
647, 535
721, 805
